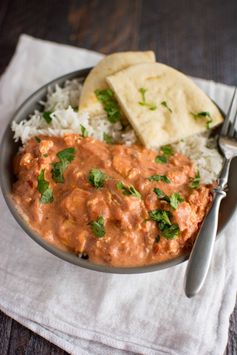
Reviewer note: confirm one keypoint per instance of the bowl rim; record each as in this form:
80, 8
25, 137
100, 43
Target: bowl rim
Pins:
66, 255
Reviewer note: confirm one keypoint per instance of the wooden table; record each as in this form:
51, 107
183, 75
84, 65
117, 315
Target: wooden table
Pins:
197, 37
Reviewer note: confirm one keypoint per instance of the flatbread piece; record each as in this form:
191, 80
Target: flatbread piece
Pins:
108, 66
162, 104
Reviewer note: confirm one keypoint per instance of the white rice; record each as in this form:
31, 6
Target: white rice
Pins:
63, 102
59, 98
202, 150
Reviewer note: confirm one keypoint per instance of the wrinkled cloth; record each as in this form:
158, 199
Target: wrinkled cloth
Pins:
86, 312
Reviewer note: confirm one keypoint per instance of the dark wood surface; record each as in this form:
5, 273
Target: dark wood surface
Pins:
197, 37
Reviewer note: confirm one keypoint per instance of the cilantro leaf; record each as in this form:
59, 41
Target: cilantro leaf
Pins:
196, 181
107, 138
175, 200
161, 159
143, 92
47, 196
160, 216
98, 227
167, 150
97, 178
84, 131
159, 193
65, 158
208, 123
58, 170
44, 189
203, 114
130, 190
151, 106
164, 103
42, 183
47, 116
171, 232
110, 105
38, 140
159, 178
67, 154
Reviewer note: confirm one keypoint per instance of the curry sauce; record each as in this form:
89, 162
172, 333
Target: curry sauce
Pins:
117, 205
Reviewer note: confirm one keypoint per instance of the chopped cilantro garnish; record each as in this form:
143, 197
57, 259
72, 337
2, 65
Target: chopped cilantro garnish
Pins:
164, 103
65, 158
143, 92
58, 171
167, 152
170, 232
157, 239
159, 178
160, 216
107, 138
45, 155
196, 181
161, 195
98, 227
168, 229
161, 159
208, 123
203, 114
110, 105
44, 189
130, 190
47, 116
151, 106
84, 131
97, 178
38, 140
175, 200
67, 154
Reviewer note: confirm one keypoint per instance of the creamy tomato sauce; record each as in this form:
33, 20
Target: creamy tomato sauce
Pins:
131, 237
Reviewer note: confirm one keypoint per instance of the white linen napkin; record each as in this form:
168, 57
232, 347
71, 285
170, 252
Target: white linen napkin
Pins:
86, 312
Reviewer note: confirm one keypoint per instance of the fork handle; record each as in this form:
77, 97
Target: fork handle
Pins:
200, 257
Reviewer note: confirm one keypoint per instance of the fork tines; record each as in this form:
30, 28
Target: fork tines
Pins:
231, 117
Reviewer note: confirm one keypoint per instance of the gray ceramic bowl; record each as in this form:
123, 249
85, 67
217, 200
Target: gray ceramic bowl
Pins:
9, 148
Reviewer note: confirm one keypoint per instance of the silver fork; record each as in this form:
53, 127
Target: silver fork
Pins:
200, 257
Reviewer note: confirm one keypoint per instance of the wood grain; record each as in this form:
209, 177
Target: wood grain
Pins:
231, 348
90, 23
197, 37
5, 332
201, 45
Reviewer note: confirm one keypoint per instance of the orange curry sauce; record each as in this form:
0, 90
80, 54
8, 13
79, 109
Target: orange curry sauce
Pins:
131, 237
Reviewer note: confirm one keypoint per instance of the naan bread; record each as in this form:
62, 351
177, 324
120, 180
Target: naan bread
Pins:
171, 98
108, 66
